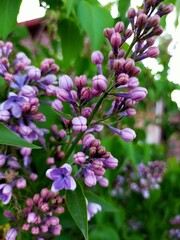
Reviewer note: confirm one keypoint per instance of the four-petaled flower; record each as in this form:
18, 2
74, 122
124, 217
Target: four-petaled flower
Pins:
61, 177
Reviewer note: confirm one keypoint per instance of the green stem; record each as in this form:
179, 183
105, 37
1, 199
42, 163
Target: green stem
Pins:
130, 47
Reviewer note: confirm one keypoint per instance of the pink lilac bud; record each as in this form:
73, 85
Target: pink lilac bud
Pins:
57, 104
21, 183
35, 230
31, 217
131, 112
131, 13
104, 182
62, 95
157, 31
129, 64
29, 202
97, 164
115, 40
154, 21
25, 152
11, 234
99, 83
25, 130
65, 82
122, 79
150, 41
56, 230
108, 32
128, 33
54, 220
33, 176
118, 64
141, 19
133, 82
44, 228
28, 91
80, 81
34, 73
165, 9
86, 93
97, 57
119, 27
86, 112
62, 133
135, 71
4, 115
152, 52
87, 140
25, 227
111, 162
89, 178
79, 124
2, 160
51, 90
79, 158
99, 172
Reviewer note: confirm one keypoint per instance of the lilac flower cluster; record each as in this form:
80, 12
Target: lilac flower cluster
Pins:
142, 180
74, 150
174, 232
38, 215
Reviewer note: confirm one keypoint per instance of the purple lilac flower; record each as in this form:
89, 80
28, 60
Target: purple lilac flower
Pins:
14, 104
92, 209
11, 234
5, 193
61, 177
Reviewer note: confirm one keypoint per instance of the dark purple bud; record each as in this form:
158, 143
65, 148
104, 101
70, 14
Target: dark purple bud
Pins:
108, 32
29, 202
150, 41
128, 33
165, 9
152, 52
115, 40
141, 19
118, 64
131, 13
157, 31
119, 27
122, 79
154, 21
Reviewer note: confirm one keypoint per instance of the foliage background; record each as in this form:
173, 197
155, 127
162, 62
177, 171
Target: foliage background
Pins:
73, 29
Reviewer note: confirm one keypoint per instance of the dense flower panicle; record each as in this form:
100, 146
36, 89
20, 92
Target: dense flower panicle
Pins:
142, 180
174, 232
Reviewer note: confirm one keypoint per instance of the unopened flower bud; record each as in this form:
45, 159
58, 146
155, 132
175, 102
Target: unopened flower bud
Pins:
129, 64
86, 112
87, 140
128, 33
31, 217
141, 19
131, 13
90, 178
62, 95
34, 73
86, 93
119, 27
21, 183
154, 21
79, 124
99, 83
65, 82
122, 79
111, 162
108, 32
57, 104
11, 234
79, 158
97, 57
80, 81
115, 40
152, 52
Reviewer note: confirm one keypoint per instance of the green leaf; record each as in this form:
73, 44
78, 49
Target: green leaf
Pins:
93, 20
63, 115
8, 16
8, 137
123, 7
71, 40
106, 206
76, 204
104, 232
